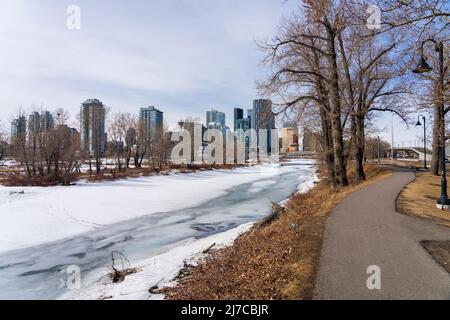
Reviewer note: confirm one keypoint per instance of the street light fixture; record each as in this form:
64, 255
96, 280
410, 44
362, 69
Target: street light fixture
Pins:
423, 66
424, 139
443, 202
378, 148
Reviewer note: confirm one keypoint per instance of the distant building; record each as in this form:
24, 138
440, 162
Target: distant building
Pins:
152, 120
195, 128
131, 137
47, 120
74, 131
40, 122
238, 115
251, 118
289, 137
263, 118
215, 120
243, 124
18, 129
92, 133
71, 131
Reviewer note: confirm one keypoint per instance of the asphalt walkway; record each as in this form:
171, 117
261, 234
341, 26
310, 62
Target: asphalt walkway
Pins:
365, 230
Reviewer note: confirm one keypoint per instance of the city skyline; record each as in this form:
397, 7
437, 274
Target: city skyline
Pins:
115, 65
243, 123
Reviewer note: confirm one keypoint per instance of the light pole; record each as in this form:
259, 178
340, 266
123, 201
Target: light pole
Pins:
443, 202
379, 145
424, 139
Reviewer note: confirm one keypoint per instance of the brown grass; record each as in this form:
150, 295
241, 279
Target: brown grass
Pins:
16, 179
270, 262
419, 199
19, 178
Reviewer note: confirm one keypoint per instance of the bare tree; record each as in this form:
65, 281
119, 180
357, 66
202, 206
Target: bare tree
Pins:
417, 21
325, 64
54, 149
305, 66
3, 143
142, 144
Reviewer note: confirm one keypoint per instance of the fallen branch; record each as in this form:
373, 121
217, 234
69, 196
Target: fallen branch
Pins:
116, 275
277, 210
209, 248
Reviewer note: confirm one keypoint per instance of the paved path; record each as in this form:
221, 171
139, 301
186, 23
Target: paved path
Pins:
365, 230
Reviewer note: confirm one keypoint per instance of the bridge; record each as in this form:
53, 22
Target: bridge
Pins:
298, 155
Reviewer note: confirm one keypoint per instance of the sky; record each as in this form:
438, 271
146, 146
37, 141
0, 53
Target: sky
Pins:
182, 56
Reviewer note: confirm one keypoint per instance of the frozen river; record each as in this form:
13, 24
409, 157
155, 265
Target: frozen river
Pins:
152, 229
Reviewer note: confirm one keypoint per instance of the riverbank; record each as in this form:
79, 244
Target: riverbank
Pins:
274, 261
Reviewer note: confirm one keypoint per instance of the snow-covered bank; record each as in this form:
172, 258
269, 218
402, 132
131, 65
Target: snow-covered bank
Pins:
40, 215
157, 270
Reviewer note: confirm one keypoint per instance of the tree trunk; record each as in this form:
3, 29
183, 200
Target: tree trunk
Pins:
435, 160
357, 127
326, 125
328, 147
335, 103
359, 150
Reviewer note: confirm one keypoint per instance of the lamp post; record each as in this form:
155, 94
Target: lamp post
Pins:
424, 139
443, 202
379, 145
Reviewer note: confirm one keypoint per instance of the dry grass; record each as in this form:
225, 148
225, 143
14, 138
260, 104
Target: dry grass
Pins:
18, 178
270, 262
419, 199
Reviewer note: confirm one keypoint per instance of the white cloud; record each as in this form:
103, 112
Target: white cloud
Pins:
183, 54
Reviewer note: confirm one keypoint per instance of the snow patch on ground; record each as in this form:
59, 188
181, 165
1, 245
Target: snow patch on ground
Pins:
158, 270
307, 181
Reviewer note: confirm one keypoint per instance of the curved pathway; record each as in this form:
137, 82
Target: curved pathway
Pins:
365, 230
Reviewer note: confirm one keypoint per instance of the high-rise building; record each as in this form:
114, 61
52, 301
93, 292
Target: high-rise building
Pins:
130, 137
34, 123
92, 133
151, 119
196, 131
18, 129
262, 112
243, 124
40, 122
251, 118
215, 120
238, 115
263, 118
241, 131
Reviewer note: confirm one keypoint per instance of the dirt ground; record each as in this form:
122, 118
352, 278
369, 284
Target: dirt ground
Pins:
440, 251
419, 199
277, 260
